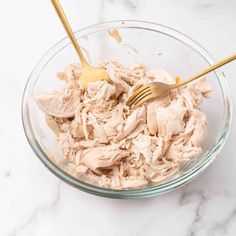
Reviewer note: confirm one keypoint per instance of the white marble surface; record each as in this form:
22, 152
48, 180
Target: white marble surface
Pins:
34, 202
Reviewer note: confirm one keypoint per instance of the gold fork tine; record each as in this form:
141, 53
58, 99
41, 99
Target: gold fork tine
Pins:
136, 92
137, 98
142, 100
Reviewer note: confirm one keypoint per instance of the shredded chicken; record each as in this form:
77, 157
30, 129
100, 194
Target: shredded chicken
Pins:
113, 148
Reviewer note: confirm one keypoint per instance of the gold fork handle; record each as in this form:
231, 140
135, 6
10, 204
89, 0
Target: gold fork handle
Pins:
209, 69
69, 31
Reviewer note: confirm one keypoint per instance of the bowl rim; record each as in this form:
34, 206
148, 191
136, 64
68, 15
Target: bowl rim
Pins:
147, 191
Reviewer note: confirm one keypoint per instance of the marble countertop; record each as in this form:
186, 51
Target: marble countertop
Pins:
34, 202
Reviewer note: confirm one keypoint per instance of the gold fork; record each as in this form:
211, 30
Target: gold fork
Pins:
157, 89
90, 73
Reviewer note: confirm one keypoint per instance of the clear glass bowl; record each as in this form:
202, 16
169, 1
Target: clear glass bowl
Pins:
158, 47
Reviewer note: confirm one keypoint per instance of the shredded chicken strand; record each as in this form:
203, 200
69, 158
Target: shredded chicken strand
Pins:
112, 148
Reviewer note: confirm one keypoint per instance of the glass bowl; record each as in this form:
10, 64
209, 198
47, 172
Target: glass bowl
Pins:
154, 45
